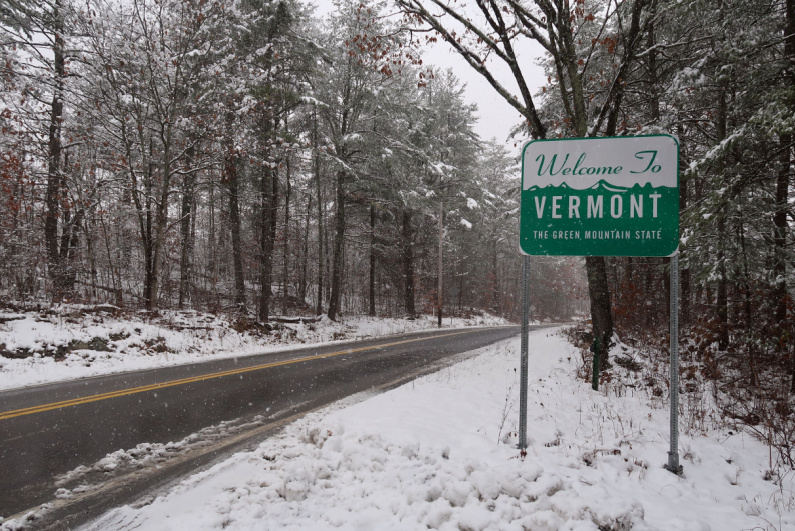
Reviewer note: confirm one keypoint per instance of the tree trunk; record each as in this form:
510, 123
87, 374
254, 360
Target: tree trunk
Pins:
269, 187
371, 290
722, 298
286, 242
230, 180
212, 266
54, 178
70, 239
232, 183
786, 158
601, 314
148, 240
722, 307
302, 285
186, 249
783, 180
339, 243
407, 235
653, 85
747, 310
92, 260
601, 305
320, 238
781, 231
596, 266
161, 221
495, 280
684, 299
439, 267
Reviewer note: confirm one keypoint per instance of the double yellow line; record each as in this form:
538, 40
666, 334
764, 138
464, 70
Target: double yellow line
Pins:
183, 381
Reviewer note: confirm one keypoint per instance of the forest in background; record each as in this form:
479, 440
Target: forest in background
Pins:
249, 157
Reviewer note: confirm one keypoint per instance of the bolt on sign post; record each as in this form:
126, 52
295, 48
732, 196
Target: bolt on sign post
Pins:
608, 196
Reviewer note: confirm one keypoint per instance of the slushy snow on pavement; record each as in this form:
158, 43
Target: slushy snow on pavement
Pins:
440, 453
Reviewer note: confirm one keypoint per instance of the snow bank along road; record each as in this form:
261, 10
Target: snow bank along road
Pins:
48, 431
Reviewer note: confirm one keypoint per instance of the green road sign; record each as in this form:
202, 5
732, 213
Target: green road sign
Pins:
608, 196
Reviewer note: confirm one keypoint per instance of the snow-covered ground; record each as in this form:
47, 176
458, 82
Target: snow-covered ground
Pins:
71, 342
440, 453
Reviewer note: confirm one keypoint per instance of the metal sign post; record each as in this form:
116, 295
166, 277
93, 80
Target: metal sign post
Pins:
673, 453
523, 376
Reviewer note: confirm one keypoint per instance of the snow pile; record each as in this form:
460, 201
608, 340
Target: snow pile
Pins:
71, 342
440, 453
87, 478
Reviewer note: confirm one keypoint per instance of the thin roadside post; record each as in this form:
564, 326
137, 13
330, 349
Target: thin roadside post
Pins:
523, 377
673, 453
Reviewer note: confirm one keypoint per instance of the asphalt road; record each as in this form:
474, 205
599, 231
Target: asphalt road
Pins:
49, 430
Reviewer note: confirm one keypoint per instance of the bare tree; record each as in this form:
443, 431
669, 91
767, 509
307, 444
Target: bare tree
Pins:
148, 60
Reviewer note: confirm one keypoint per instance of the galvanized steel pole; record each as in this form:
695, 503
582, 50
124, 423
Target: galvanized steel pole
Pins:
523, 378
673, 453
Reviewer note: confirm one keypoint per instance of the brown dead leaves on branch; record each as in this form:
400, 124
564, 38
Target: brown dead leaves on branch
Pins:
386, 51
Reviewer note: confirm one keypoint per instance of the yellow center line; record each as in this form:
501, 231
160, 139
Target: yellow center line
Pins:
183, 381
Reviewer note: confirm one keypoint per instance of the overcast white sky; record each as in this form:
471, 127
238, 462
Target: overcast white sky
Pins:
496, 116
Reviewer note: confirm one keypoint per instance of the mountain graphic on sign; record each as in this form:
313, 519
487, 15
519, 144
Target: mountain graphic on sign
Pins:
563, 186
601, 185
604, 185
